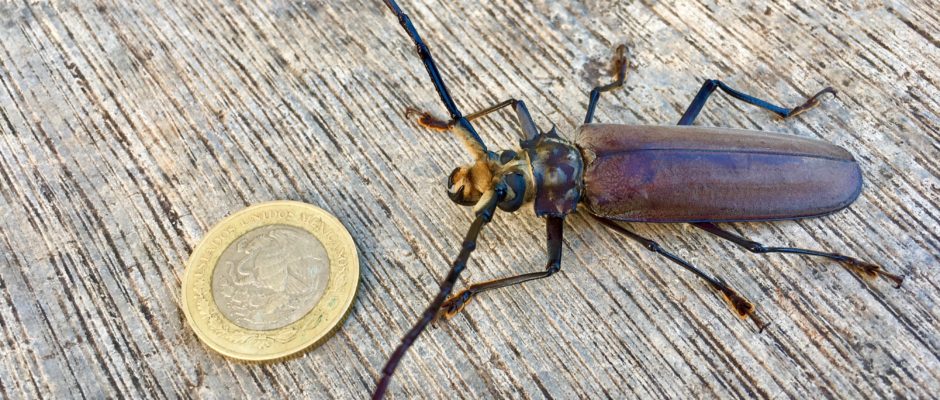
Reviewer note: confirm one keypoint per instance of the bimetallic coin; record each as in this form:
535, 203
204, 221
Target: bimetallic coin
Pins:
271, 280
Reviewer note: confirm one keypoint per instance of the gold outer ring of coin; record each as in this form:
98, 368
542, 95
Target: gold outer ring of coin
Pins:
233, 341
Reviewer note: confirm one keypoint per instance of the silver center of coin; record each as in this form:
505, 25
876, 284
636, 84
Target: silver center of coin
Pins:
270, 277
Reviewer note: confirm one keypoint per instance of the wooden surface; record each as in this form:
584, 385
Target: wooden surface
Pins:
126, 131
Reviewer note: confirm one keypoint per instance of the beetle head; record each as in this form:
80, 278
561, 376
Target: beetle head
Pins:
468, 184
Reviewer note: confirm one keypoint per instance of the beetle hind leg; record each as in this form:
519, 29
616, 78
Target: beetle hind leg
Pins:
862, 268
738, 304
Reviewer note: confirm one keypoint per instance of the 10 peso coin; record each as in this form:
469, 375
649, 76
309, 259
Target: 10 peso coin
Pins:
271, 281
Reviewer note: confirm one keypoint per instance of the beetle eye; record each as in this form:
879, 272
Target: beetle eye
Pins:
507, 156
516, 183
457, 183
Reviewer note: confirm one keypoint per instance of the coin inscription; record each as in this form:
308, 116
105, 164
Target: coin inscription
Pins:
270, 277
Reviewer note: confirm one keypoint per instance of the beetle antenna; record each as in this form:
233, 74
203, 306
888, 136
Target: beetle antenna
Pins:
435, 75
484, 216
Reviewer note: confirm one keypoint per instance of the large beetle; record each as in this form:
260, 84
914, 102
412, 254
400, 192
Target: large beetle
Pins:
677, 174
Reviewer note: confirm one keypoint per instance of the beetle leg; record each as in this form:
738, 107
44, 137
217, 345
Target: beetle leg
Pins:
484, 216
865, 269
522, 114
710, 85
457, 302
620, 67
740, 305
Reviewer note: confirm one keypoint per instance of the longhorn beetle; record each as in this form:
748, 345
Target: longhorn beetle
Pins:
626, 173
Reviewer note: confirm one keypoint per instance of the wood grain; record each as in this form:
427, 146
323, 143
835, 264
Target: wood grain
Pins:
127, 130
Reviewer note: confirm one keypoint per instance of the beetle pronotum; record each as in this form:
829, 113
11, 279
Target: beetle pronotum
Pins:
626, 173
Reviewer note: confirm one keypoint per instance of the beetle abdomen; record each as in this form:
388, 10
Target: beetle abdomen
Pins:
695, 174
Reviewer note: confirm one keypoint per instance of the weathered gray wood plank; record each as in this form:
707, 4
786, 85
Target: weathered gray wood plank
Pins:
127, 130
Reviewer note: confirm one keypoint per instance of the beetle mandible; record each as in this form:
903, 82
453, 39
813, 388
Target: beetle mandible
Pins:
627, 173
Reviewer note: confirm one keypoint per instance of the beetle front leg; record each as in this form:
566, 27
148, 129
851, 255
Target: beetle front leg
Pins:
740, 305
457, 302
522, 115
865, 269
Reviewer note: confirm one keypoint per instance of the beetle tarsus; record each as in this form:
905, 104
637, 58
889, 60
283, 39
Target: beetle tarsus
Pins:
741, 306
810, 103
455, 304
427, 120
618, 66
871, 271
619, 70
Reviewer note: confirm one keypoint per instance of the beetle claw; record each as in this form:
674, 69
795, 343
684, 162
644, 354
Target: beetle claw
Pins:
761, 325
454, 304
